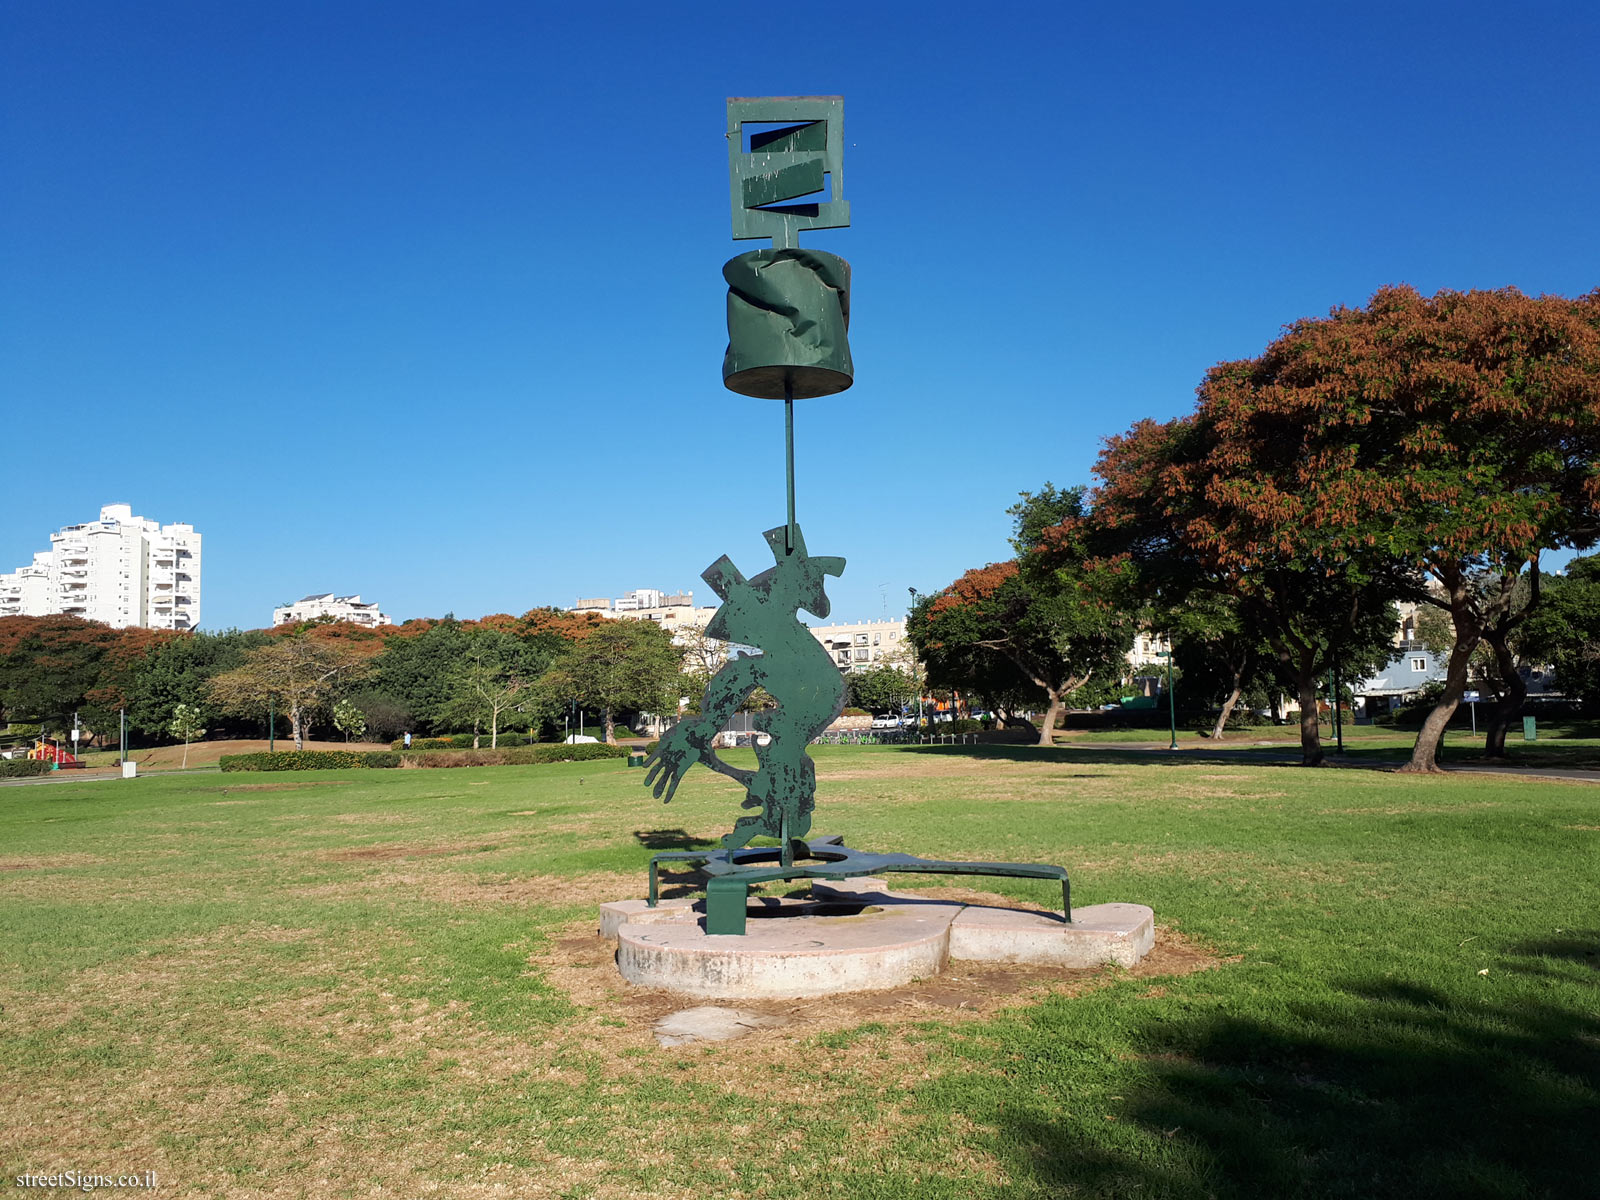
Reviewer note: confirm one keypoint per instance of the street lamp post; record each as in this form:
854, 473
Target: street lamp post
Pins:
916, 674
272, 722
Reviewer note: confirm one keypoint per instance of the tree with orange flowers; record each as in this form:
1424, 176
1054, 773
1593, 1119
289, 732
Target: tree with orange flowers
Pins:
1427, 447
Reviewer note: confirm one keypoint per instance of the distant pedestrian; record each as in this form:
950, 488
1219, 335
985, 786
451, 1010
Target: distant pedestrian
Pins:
408, 739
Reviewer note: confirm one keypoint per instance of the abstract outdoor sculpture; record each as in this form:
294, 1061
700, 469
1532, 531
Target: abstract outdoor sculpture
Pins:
793, 668
788, 316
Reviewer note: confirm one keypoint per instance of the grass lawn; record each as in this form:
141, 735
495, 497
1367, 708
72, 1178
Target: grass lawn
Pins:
385, 982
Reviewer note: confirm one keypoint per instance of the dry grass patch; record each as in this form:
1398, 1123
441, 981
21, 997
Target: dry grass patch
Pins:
50, 862
617, 1017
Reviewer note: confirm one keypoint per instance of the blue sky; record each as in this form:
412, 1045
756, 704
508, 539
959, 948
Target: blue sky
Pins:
423, 301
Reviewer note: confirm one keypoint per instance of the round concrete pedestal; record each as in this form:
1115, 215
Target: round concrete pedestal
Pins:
894, 940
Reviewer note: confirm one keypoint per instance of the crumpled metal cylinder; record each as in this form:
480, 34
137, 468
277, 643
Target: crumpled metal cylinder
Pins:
788, 324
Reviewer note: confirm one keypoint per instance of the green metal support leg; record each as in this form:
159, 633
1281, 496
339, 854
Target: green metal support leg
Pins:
726, 898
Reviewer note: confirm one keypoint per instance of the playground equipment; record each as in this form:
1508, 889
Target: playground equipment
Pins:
50, 750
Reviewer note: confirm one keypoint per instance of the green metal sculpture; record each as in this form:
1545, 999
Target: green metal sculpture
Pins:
788, 317
788, 308
788, 314
793, 667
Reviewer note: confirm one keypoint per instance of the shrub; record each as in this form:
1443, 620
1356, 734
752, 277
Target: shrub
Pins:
515, 755
855, 712
460, 741
959, 725
16, 768
308, 760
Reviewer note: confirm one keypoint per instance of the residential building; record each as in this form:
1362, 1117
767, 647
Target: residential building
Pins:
854, 647
865, 644
349, 609
27, 591
121, 570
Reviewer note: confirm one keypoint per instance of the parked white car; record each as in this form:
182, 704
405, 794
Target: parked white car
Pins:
887, 722
574, 738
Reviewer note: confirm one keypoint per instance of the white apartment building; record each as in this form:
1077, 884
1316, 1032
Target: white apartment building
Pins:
865, 644
340, 608
853, 647
1149, 650
121, 570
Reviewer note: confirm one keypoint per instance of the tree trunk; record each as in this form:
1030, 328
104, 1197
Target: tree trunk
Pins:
494, 731
1425, 754
1047, 731
609, 728
475, 728
185, 765
1468, 626
1227, 706
1499, 717
1311, 754
298, 726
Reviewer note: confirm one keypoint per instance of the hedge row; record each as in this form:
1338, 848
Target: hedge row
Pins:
463, 741
318, 760
515, 755
307, 760
14, 768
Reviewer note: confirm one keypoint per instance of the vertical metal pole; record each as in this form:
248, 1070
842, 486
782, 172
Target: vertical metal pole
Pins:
1172, 700
788, 439
272, 722
1338, 717
122, 736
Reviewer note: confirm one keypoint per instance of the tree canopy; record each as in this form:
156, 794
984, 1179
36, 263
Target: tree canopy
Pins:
1032, 623
1364, 453
619, 666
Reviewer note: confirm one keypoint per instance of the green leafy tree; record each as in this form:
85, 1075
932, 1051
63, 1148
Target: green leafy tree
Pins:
1565, 631
1218, 654
1168, 516
299, 673
495, 677
1050, 622
185, 724
386, 717
621, 666
415, 671
349, 720
880, 689
176, 671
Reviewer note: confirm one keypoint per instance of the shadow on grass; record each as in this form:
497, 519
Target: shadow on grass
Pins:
671, 839
1382, 1089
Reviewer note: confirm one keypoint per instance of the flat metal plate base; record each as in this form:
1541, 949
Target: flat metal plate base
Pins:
827, 858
